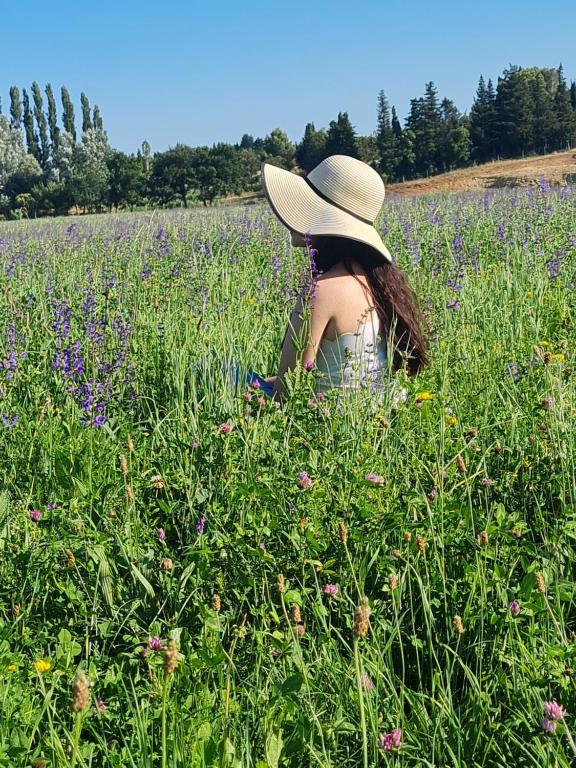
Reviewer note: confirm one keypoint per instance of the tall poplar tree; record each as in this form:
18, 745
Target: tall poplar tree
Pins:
42, 125
86, 119
15, 108
97, 120
52, 120
31, 135
68, 113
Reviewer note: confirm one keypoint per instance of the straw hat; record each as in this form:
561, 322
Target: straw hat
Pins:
340, 196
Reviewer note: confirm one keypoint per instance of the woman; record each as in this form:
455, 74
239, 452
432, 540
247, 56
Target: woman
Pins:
363, 312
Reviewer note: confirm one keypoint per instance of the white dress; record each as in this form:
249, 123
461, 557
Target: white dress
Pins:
352, 360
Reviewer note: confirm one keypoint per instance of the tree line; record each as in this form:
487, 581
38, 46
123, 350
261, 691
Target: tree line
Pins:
48, 169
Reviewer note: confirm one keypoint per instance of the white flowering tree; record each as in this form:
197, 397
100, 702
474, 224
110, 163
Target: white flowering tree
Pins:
11, 150
89, 180
63, 159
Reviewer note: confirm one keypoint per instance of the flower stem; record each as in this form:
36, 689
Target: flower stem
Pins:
361, 703
164, 738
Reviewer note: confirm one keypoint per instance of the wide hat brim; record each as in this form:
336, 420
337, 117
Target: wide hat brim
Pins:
303, 211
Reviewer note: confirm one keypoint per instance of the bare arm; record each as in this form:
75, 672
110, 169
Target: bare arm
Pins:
304, 336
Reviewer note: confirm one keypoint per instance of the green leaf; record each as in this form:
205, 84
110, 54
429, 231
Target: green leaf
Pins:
143, 580
273, 749
292, 684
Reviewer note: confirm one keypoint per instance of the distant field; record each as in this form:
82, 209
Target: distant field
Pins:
559, 168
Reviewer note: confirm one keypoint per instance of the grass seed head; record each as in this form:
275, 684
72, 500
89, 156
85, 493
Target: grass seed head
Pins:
483, 538
458, 626
342, 532
295, 614
123, 465
407, 537
392, 581
540, 584
80, 691
420, 543
362, 619
216, 602
129, 444
281, 583
460, 463
170, 657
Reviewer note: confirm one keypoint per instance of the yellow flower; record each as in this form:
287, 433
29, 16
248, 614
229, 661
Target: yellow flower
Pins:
421, 396
42, 666
559, 358
250, 300
451, 420
11, 668
543, 343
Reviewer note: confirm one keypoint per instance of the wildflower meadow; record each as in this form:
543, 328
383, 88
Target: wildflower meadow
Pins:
194, 575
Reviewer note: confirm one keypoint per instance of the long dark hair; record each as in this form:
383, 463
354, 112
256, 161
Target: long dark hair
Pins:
395, 301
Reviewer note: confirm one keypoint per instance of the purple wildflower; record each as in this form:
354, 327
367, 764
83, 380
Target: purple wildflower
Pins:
549, 726
155, 643
553, 710
373, 478
161, 533
331, 590
367, 683
200, 524
390, 741
35, 515
514, 607
304, 479
225, 428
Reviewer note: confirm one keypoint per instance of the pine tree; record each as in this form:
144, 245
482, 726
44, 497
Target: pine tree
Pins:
454, 138
279, 150
341, 138
386, 140
513, 119
396, 127
247, 142
31, 136
543, 118
573, 94
424, 122
52, 120
407, 163
482, 116
15, 107
565, 130
86, 120
42, 125
68, 113
312, 148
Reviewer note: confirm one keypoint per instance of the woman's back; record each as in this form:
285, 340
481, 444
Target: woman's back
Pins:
351, 352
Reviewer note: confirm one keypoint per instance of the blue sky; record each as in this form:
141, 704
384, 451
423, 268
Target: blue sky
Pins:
199, 73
